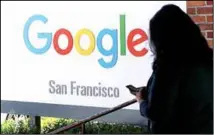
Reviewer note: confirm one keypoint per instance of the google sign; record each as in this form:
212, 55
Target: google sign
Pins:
73, 59
74, 40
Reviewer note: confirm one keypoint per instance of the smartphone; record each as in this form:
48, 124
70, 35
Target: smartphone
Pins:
133, 90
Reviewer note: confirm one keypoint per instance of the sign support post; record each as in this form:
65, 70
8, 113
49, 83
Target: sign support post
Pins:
35, 121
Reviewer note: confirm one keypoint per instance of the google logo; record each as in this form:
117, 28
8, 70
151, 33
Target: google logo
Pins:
74, 41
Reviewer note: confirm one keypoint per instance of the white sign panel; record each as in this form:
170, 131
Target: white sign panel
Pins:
76, 53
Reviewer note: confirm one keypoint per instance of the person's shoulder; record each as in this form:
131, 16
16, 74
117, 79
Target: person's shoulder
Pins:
200, 67
198, 71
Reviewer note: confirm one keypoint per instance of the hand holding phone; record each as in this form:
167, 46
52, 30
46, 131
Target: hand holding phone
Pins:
141, 93
133, 90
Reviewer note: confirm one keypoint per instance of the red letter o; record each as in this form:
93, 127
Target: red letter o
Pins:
70, 41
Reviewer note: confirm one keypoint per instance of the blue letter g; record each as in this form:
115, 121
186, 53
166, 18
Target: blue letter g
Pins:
48, 36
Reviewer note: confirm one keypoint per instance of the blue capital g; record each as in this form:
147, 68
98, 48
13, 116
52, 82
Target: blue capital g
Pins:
47, 36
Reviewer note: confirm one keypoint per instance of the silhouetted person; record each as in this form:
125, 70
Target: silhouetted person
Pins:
179, 97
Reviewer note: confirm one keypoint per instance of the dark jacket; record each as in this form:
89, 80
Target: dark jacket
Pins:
180, 99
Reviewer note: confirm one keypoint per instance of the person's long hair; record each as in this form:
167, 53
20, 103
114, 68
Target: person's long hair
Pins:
175, 38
